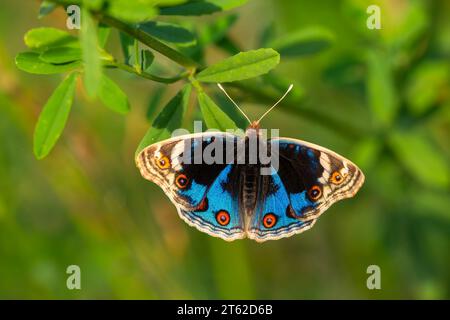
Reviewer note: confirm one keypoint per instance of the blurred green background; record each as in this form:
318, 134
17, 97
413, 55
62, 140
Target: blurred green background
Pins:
86, 204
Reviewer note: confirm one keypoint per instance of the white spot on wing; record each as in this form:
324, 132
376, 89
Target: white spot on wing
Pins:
175, 158
325, 163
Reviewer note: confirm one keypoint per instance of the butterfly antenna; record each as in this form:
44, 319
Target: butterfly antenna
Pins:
271, 108
221, 88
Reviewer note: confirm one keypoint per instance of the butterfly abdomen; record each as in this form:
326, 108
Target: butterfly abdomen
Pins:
250, 177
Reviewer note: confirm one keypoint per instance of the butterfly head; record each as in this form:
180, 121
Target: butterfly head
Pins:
255, 124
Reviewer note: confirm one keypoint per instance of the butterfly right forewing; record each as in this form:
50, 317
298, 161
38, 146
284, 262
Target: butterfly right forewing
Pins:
315, 177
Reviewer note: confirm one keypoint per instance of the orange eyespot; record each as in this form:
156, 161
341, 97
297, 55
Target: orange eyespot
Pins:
223, 217
315, 193
181, 181
269, 220
163, 162
336, 178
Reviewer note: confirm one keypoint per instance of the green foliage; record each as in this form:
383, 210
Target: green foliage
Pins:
303, 42
56, 51
31, 62
421, 158
154, 101
214, 117
168, 32
103, 34
201, 7
132, 11
41, 39
61, 55
128, 48
112, 96
46, 8
242, 66
380, 86
427, 86
91, 56
54, 116
216, 31
147, 58
170, 119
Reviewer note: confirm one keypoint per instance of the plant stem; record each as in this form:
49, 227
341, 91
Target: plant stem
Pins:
137, 57
150, 41
195, 83
125, 67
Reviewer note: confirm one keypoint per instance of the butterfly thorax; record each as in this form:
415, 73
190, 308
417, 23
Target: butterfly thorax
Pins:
254, 125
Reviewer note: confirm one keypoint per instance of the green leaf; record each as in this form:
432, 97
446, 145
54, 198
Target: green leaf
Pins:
303, 42
214, 117
168, 32
267, 35
421, 158
230, 109
209, 34
154, 101
112, 96
91, 55
346, 70
217, 30
241, 66
93, 5
380, 87
170, 119
127, 44
46, 8
228, 45
53, 117
132, 11
61, 55
228, 4
44, 38
103, 34
147, 58
201, 7
427, 86
407, 29
31, 63
365, 153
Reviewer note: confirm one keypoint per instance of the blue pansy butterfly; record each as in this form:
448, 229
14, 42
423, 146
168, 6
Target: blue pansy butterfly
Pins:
233, 199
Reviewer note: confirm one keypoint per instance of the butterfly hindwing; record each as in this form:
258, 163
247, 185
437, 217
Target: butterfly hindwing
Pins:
219, 214
271, 219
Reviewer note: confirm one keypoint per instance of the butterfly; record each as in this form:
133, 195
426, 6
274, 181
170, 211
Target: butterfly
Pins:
239, 198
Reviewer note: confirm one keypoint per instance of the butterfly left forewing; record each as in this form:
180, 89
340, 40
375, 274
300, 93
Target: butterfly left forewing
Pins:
199, 190
315, 177
183, 180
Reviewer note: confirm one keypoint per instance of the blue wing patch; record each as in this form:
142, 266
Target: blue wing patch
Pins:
272, 219
300, 202
218, 213
194, 194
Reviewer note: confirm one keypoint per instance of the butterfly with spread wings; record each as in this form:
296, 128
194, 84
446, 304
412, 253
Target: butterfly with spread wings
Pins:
236, 198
